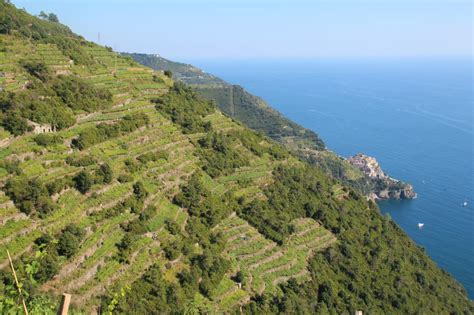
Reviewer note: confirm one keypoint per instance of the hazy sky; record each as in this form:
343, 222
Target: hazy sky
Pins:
194, 29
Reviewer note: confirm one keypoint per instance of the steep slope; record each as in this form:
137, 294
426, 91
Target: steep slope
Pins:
255, 113
136, 195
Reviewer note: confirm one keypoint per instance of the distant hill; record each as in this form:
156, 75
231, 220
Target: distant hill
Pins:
255, 113
136, 195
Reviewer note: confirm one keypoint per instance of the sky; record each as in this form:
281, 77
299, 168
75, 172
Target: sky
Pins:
231, 29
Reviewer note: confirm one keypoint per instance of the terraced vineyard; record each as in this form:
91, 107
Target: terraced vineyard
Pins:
136, 195
93, 269
264, 263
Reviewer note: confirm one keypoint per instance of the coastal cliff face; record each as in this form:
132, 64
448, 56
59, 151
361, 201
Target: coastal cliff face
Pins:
385, 187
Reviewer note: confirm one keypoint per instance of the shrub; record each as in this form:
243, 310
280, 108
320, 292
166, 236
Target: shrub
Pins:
15, 123
37, 69
81, 95
80, 161
102, 132
69, 240
83, 182
185, 108
29, 195
45, 139
104, 174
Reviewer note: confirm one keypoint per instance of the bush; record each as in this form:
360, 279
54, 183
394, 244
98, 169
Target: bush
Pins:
125, 178
15, 123
81, 95
11, 166
69, 240
102, 132
45, 139
220, 158
83, 182
104, 174
59, 185
80, 161
37, 69
185, 108
152, 156
29, 196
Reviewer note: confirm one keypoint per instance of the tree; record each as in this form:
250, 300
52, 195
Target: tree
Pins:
67, 244
53, 18
105, 174
139, 190
168, 73
15, 124
83, 182
43, 15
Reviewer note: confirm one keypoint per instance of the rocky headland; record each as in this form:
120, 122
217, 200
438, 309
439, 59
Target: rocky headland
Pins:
385, 187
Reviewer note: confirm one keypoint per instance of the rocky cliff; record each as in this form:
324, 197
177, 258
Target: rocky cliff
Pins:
385, 187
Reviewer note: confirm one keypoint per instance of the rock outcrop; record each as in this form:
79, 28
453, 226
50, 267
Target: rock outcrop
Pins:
385, 186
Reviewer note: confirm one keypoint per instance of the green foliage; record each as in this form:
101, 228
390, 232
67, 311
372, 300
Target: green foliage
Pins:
152, 295
81, 95
48, 100
168, 73
11, 166
45, 139
125, 178
124, 248
69, 240
59, 185
103, 132
15, 123
37, 69
220, 158
29, 195
20, 23
185, 108
369, 244
80, 161
83, 181
104, 174
207, 208
50, 17
152, 157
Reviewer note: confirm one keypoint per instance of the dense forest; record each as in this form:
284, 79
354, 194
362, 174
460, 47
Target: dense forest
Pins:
146, 199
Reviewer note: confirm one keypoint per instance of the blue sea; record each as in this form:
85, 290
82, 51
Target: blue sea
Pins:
414, 115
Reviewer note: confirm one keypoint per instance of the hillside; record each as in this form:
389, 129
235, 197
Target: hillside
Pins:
256, 114
136, 195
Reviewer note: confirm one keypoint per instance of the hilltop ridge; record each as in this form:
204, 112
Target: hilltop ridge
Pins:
135, 194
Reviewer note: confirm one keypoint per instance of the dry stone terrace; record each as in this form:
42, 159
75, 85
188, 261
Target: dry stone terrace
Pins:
92, 271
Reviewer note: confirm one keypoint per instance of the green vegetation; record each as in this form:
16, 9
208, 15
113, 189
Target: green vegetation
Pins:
49, 100
220, 158
144, 198
254, 113
102, 132
183, 106
45, 139
29, 195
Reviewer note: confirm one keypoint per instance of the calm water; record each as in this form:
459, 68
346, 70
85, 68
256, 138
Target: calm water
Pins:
414, 116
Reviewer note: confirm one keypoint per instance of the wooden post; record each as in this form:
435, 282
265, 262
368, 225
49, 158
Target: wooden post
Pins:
64, 307
17, 284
